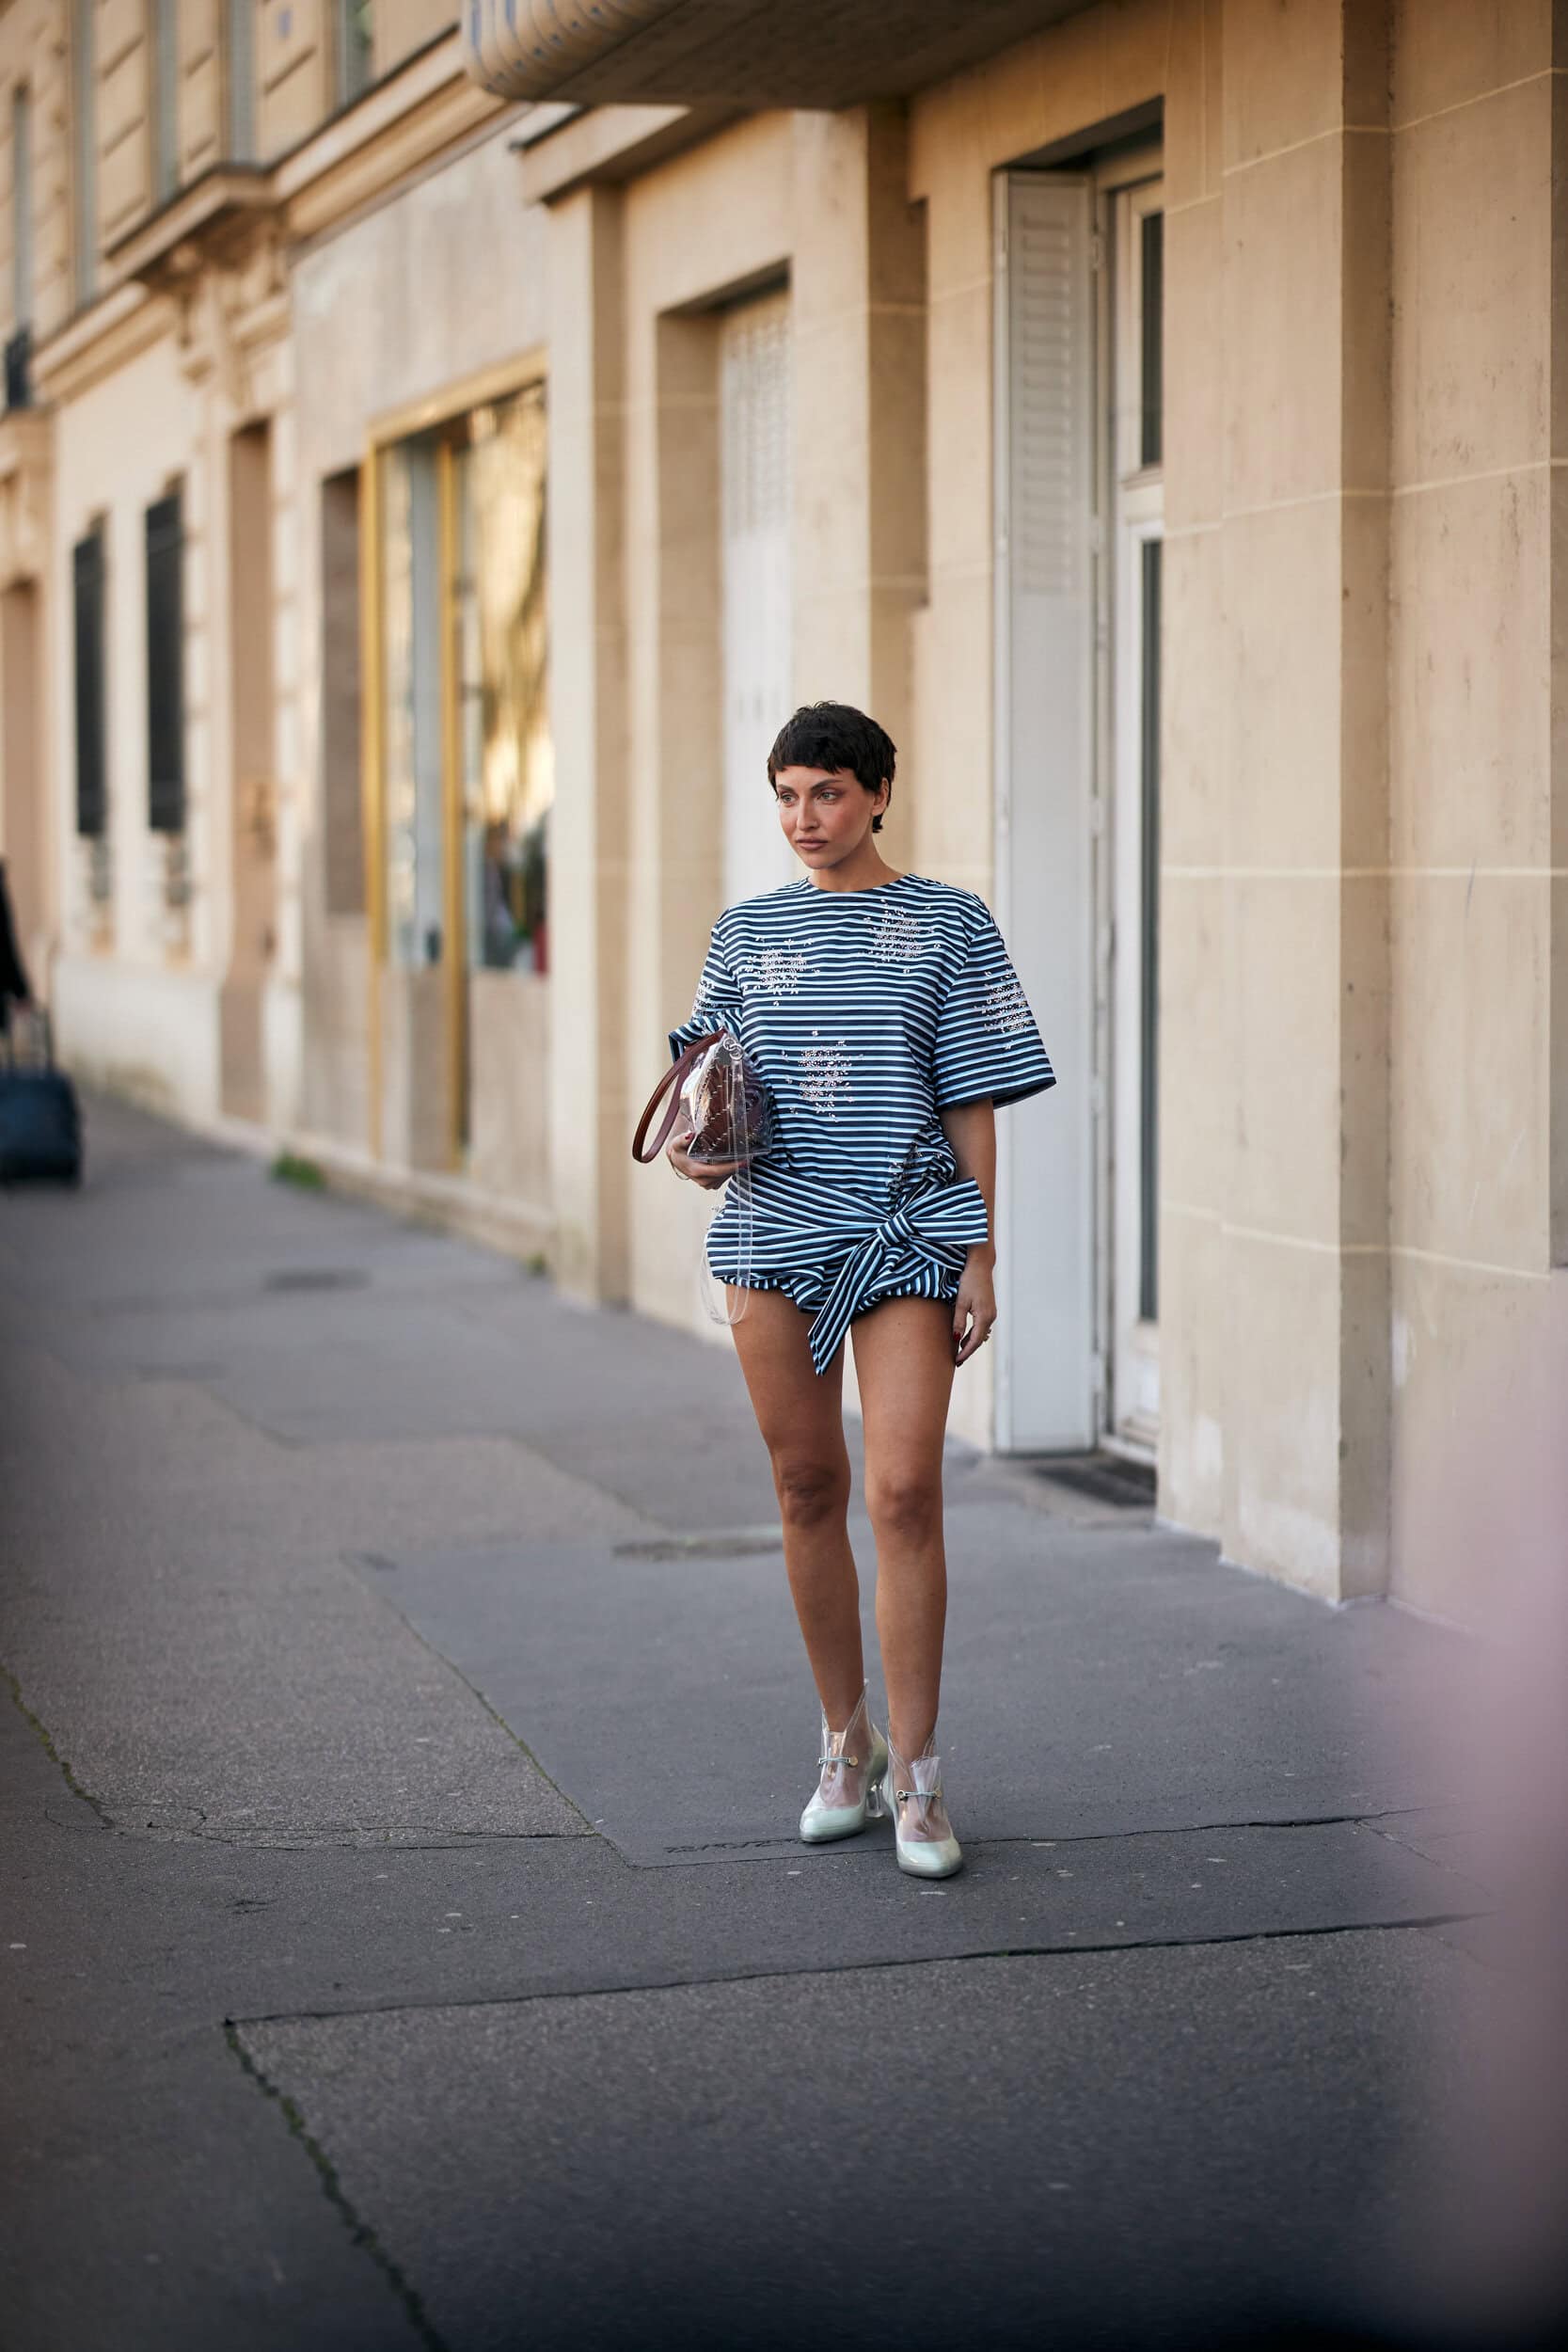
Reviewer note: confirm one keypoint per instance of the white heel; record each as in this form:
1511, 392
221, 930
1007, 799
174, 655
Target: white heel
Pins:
853, 1764
922, 1831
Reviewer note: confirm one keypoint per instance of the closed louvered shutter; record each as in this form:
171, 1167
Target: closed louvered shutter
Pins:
758, 499
86, 565
1045, 592
165, 667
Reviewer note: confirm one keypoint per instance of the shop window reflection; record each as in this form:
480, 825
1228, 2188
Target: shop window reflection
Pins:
506, 753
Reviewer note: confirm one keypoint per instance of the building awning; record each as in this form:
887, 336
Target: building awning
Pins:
743, 53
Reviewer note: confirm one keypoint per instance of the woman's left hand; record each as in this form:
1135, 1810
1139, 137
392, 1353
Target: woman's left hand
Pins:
974, 1308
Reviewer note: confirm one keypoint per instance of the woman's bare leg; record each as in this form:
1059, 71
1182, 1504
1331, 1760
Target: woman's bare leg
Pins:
801, 1420
904, 1363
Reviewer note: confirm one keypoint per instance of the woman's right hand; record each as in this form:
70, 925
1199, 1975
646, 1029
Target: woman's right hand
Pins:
710, 1174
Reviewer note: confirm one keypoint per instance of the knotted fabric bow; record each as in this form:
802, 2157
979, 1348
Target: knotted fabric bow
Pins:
936, 1228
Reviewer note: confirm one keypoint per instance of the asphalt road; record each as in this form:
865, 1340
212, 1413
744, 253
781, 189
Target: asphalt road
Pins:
403, 1941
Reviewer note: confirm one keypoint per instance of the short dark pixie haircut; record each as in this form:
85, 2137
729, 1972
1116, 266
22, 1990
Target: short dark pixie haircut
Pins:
832, 736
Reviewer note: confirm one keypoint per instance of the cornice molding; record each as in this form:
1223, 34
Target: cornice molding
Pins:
611, 144
409, 142
179, 237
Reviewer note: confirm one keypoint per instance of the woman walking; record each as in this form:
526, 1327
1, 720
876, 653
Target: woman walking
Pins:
886, 1020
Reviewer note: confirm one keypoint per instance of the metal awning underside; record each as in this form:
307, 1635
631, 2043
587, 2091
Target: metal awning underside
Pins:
744, 52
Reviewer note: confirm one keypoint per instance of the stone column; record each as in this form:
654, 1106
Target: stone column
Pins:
588, 1110
1478, 811
1275, 1051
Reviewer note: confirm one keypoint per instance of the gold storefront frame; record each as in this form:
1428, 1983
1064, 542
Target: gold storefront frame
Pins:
436, 411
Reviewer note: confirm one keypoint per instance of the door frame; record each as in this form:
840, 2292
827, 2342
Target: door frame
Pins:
1131, 499
1086, 833
437, 413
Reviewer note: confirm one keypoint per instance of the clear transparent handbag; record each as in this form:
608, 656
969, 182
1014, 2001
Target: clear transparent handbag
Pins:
719, 1116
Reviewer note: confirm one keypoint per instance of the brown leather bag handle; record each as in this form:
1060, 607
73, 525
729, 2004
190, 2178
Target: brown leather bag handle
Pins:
670, 1084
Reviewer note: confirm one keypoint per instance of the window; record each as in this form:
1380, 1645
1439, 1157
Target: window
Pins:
22, 207
1151, 296
166, 99
411, 620
85, 123
165, 666
468, 765
507, 758
343, 790
87, 570
356, 49
242, 81
19, 390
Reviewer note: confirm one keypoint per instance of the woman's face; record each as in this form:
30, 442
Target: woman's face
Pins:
825, 813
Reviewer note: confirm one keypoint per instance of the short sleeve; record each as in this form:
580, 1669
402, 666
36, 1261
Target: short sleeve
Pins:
716, 1003
987, 1041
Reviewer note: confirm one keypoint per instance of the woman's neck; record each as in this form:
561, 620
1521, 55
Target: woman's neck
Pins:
867, 870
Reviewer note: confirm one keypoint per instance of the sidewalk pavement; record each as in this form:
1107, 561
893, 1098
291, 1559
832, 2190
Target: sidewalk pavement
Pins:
404, 1940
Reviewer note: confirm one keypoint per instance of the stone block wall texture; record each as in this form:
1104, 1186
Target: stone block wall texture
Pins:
1478, 1062
1363, 999
1364, 1121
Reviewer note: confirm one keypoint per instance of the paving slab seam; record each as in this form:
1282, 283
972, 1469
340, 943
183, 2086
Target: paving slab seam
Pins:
370, 1837
367, 1840
1426, 1925
1374, 1822
360, 2233
772, 1848
430, 1651
62, 1764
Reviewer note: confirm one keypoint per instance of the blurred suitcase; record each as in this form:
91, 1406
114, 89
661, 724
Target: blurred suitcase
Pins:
40, 1124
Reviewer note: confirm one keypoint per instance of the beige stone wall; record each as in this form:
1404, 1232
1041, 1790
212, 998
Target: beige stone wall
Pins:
401, 26
1476, 795
1364, 1116
1276, 912
823, 202
137, 1003
718, 219
393, 317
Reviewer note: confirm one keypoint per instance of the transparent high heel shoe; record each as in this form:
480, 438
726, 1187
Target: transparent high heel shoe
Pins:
853, 1766
921, 1828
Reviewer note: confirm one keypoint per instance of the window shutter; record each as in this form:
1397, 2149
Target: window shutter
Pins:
87, 563
165, 667
1045, 635
756, 462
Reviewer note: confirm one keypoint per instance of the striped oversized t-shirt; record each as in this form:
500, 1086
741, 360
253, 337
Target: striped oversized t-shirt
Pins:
866, 1012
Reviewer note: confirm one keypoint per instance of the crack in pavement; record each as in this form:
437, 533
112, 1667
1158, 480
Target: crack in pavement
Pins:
361, 2234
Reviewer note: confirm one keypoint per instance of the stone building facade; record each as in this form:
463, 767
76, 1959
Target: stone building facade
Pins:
1149, 408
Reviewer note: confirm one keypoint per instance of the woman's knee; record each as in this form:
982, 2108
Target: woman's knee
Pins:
810, 1491
904, 1500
